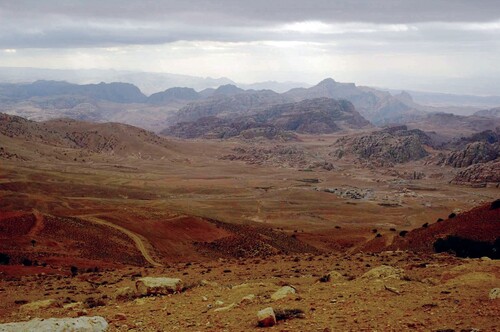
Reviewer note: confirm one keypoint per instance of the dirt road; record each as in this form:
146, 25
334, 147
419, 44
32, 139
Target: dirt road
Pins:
139, 242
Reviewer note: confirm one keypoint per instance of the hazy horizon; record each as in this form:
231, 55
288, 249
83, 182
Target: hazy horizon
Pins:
435, 46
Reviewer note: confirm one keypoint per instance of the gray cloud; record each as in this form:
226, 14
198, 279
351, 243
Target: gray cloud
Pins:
90, 23
368, 41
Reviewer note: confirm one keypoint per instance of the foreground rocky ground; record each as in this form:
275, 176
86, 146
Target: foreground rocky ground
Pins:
388, 291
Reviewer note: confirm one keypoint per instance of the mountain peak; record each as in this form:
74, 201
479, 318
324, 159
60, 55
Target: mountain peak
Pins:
327, 81
404, 96
228, 89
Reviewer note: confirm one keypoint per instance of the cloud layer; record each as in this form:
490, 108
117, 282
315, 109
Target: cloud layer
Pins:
241, 39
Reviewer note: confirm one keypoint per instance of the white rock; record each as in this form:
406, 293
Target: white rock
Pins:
384, 272
282, 293
158, 286
80, 324
494, 294
266, 317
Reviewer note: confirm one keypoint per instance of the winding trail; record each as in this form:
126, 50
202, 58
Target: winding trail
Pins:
39, 225
139, 242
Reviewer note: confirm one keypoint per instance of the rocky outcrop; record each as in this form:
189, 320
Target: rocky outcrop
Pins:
479, 173
473, 153
217, 128
223, 105
158, 286
385, 146
315, 116
279, 156
80, 324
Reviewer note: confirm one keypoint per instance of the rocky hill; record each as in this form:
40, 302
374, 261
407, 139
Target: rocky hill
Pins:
218, 128
452, 126
384, 147
377, 106
173, 94
229, 106
472, 153
316, 116
489, 113
480, 174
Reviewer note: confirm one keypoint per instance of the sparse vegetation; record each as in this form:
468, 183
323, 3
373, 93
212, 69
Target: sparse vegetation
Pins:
468, 248
4, 259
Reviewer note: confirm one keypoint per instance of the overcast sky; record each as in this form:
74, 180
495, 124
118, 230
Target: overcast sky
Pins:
434, 45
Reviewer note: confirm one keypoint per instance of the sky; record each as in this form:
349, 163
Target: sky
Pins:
430, 45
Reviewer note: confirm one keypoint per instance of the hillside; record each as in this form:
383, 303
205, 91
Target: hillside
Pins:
66, 138
474, 233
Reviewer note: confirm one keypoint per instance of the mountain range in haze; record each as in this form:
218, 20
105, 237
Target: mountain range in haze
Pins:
126, 103
150, 83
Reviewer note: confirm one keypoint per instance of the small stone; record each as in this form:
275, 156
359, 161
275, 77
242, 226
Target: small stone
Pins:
219, 303
120, 316
226, 308
204, 298
247, 299
82, 312
494, 294
266, 317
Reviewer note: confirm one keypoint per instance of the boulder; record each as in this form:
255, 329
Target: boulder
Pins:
158, 286
80, 324
384, 272
494, 294
266, 317
282, 293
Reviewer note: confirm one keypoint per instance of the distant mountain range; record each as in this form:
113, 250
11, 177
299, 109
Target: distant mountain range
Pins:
149, 83
125, 103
